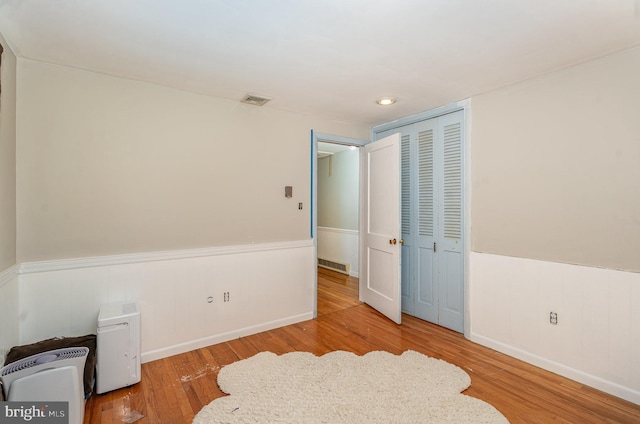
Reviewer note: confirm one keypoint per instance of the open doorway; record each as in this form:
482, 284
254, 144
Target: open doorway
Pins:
335, 213
338, 221
338, 196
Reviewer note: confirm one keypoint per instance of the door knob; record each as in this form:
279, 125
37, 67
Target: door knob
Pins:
401, 241
394, 241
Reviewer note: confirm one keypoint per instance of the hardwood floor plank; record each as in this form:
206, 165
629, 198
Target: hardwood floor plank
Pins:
336, 291
222, 354
190, 370
242, 348
174, 389
277, 344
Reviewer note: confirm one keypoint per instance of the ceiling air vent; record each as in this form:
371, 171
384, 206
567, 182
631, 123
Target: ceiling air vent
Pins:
255, 100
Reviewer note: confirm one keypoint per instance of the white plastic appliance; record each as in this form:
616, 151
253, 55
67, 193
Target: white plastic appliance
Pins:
55, 375
118, 347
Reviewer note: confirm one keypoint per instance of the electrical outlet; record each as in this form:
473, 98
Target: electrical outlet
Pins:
226, 296
553, 318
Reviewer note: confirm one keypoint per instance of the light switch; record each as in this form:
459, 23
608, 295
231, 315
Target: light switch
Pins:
288, 191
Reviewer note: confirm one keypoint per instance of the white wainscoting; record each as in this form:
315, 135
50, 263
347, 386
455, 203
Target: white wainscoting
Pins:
9, 312
597, 338
269, 285
339, 245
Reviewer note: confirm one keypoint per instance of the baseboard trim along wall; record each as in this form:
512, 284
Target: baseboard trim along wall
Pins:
596, 340
563, 370
188, 298
221, 338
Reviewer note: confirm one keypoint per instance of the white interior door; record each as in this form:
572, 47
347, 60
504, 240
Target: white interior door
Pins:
380, 227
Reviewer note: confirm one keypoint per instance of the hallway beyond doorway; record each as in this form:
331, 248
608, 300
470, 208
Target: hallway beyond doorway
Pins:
336, 291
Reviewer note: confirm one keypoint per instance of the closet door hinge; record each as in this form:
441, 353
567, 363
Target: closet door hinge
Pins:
434, 247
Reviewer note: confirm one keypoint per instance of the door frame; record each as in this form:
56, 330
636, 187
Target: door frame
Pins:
464, 105
315, 139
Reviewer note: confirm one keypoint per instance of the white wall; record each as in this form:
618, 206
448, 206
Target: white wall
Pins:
9, 310
269, 285
9, 313
7, 159
555, 166
555, 207
597, 338
109, 166
339, 245
338, 208
338, 190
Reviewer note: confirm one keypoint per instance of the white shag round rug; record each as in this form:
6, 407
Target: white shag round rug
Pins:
341, 387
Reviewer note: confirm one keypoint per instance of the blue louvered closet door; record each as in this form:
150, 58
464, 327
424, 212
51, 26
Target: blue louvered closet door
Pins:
432, 219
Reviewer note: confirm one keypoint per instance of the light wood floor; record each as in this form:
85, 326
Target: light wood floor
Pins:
174, 389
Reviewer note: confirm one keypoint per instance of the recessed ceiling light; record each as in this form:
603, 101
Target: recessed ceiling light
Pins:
386, 101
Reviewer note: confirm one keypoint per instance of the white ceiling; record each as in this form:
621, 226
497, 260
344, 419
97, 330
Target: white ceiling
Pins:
328, 149
330, 58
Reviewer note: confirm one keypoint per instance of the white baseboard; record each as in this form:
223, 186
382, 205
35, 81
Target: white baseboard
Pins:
560, 369
595, 339
221, 338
